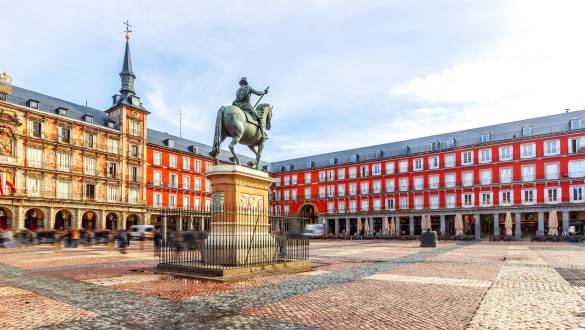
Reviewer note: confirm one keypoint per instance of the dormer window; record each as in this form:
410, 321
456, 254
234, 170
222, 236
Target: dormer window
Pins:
291, 167
405, 150
170, 143
379, 154
62, 111
111, 124
450, 142
193, 149
33, 104
310, 164
435, 145
575, 124
332, 161
282, 168
485, 137
88, 118
355, 157
527, 131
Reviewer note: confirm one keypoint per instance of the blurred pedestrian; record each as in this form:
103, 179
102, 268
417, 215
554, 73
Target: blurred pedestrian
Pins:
75, 236
122, 239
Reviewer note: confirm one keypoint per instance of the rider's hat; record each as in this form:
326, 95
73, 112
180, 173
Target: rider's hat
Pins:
244, 81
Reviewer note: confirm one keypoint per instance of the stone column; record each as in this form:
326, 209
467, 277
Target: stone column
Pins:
18, 219
397, 219
566, 221
518, 230
51, 216
540, 229
411, 224
371, 220
336, 227
477, 226
496, 224
347, 226
442, 224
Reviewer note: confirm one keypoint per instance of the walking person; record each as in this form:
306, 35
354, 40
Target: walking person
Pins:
122, 239
157, 242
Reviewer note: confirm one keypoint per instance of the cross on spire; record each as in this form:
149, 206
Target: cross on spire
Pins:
128, 31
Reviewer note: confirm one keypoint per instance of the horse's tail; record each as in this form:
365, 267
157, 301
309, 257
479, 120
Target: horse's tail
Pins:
217, 136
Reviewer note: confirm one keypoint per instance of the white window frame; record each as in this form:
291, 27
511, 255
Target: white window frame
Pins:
467, 158
434, 162
526, 192
482, 158
506, 178
505, 201
482, 200
528, 150
549, 150
506, 153
558, 193
485, 176
418, 164
465, 203
450, 160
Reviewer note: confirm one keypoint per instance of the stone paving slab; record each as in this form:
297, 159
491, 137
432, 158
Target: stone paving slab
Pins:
431, 280
451, 270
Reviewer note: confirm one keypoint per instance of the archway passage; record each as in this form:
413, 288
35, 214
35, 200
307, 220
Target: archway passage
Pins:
89, 220
33, 219
111, 221
5, 218
309, 211
131, 220
62, 220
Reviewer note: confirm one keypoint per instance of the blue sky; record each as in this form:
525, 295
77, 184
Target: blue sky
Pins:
342, 74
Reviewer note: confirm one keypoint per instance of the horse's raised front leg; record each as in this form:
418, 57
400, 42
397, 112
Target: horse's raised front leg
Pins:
232, 145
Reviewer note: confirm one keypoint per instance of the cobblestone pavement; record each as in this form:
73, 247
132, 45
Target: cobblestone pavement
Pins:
354, 284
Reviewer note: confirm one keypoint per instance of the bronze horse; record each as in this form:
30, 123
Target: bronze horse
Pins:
231, 122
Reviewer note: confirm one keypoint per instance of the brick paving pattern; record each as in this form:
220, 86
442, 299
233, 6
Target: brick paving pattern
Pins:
354, 284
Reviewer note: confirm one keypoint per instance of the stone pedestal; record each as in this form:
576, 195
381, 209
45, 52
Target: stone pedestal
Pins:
239, 233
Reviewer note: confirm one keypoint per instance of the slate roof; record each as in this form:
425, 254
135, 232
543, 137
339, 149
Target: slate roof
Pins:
557, 123
49, 104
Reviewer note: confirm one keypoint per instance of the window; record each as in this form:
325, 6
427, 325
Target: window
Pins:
294, 180
552, 195
135, 129
505, 153
450, 180
377, 204
418, 183
173, 161
36, 129
64, 189
506, 175
113, 146
341, 206
552, 147
322, 192
88, 118
528, 150
352, 172
322, 176
186, 163
173, 180
576, 144
277, 195
467, 179
34, 157
331, 175
450, 160
417, 164
433, 181
364, 187
90, 191
450, 142
293, 194
527, 131
352, 206
575, 124
528, 196
576, 168
528, 173
64, 134
341, 190
157, 199
172, 200
90, 140
577, 194
89, 166
467, 199
112, 170
63, 162
352, 189
156, 178
156, 158
390, 168
186, 182
197, 203
390, 204
403, 202
485, 137
403, 184
330, 207
467, 158
403, 166
186, 202
307, 193
450, 201
112, 194
364, 171
376, 169
133, 174
433, 162
485, 199
418, 202
485, 155
434, 201
330, 191
34, 187
551, 171
197, 166
390, 185
33, 104
286, 180
364, 205
134, 151
286, 209
377, 187
435, 145
485, 177
197, 184
506, 198
308, 177
341, 173
286, 195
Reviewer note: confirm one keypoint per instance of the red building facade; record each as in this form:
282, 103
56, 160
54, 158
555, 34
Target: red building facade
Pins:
528, 168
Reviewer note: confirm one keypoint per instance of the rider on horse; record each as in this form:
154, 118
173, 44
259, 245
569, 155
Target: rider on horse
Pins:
243, 102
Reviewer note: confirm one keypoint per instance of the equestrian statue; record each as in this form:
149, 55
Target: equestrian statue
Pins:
244, 123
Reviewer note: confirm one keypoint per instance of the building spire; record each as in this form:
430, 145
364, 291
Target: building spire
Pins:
127, 75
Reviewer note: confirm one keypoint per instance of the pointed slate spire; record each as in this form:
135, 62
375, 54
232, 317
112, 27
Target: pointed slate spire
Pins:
127, 75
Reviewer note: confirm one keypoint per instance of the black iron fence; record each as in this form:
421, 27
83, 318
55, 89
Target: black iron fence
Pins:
200, 240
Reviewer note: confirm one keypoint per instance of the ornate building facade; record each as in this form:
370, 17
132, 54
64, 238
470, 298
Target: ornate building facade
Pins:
530, 169
64, 165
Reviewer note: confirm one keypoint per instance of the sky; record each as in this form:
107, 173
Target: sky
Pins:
342, 74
